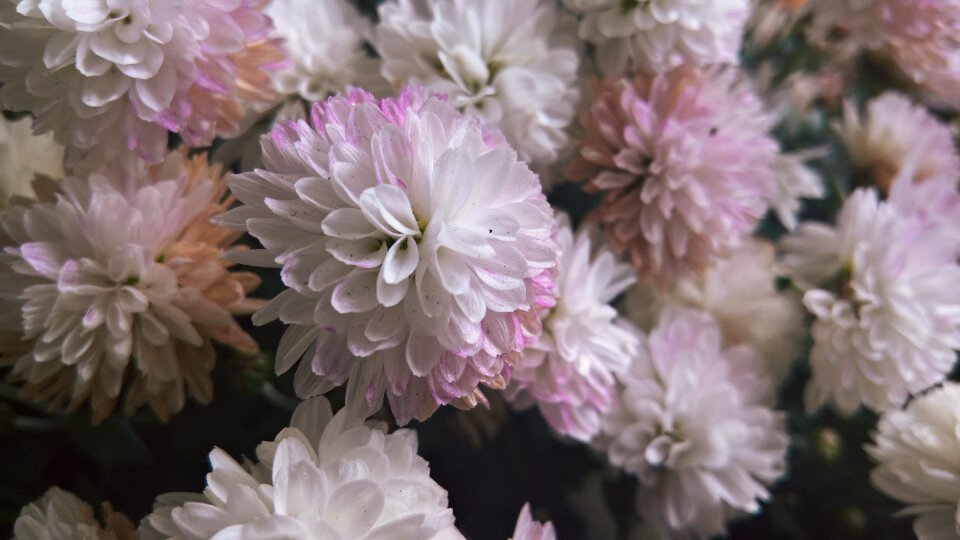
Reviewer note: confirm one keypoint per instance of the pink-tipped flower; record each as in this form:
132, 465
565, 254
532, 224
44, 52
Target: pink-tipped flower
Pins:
528, 529
685, 164
416, 249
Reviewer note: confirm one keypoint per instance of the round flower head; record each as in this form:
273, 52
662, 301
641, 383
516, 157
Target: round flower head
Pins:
122, 289
23, 156
414, 245
61, 515
919, 38
329, 477
325, 44
693, 429
528, 529
888, 307
918, 461
569, 371
111, 75
685, 165
511, 62
658, 35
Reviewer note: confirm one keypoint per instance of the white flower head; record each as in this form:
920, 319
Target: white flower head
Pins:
659, 35
511, 62
888, 307
569, 372
61, 515
329, 477
691, 425
23, 156
917, 451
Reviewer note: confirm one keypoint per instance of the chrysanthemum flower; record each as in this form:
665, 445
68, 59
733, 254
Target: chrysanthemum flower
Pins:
414, 245
795, 181
108, 76
23, 156
61, 515
528, 529
917, 451
569, 372
658, 35
511, 62
888, 304
122, 289
685, 164
328, 477
693, 428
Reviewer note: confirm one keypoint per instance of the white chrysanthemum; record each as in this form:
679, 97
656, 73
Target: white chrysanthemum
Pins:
918, 461
658, 35
740, 293
693, 429
329, 477
528, 529
324, 41
569, 372
888, 310
61, 515
23, 156
511, 62
795, 181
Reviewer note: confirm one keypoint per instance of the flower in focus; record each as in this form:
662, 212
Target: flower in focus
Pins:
884, 287
659, 35
62, 515
569, 372
740, 293
917, 451
325, 44
415, 246
691, 425
329, 477
528, 529
23, 156
122, 289
685, 164
108, 76
511, 62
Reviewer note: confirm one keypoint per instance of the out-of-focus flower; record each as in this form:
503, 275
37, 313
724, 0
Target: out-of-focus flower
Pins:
660, 35
693, 428
23, 156
61, 515
569, 372
741, 295
893, 135
685, 164
884, 287
511, 62
111, 76
528, 529
329, 477
416, 249
324, 41
771, 20
917, 451
123, 289
795, 181
920, 38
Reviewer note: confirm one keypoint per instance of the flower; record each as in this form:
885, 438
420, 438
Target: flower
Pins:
919, 38
108, 76
692, 427
117, 289
795, 181
60, 514
917, 451
569, 372
895, 134
884, 288
511, 62
414, 245
325, 44
329, 477
23, 156
528, 529
659, 35
740, 293
685, 164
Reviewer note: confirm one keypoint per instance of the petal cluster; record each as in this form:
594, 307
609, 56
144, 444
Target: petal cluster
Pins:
528, 529
23, 156
61, 515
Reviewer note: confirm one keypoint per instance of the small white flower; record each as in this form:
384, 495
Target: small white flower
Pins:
917, 451
23, 156
61, 515
528, 529
329, 477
